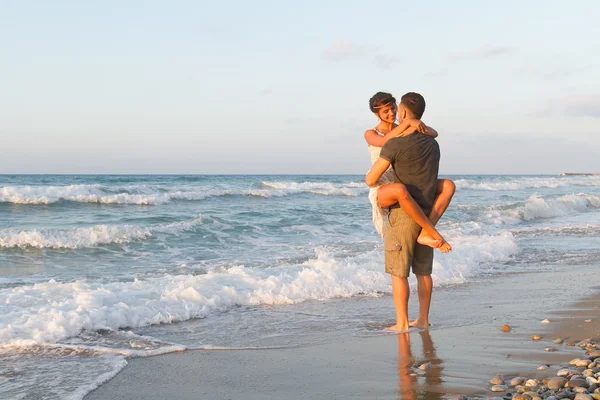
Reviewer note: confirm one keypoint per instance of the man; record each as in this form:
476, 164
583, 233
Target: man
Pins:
415, 159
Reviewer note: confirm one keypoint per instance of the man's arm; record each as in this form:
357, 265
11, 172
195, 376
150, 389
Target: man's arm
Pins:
380, 166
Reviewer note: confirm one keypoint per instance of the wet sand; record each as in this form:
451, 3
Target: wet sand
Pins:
376, 365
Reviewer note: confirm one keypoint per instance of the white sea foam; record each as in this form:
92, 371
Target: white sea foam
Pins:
538, 208
156, 194
521, 183
52, 311
319, 188
88, 237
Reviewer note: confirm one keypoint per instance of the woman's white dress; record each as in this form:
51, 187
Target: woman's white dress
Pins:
379, 214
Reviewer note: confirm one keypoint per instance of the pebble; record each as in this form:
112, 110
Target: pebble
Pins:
546, 321
588, 320
531, 382
583, 363
542, 367
505, 328
564, 372
591, 381
595, 396
499, 388
516, 381
580, 389
536, 337
583, 396
558, 341
577, 382
556, 383
497, 380
550, 349
521, 396
595, 354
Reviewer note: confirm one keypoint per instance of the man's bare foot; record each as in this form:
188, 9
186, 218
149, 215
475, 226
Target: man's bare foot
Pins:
427, 240
445, 247
419, 324
398, 328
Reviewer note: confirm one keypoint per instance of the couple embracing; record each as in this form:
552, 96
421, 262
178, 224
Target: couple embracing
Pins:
406, 191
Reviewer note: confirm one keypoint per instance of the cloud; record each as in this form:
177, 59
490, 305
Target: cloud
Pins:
385, 62
440, 73
480, 53
344, 50
551, 73
574, 106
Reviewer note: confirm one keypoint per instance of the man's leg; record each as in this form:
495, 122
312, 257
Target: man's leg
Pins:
399, 243
422, 266
401, 293
425, 289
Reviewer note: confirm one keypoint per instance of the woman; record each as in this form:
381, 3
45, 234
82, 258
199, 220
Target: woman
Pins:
389, 190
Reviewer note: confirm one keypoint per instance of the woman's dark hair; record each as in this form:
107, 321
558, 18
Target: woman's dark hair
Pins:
379, 100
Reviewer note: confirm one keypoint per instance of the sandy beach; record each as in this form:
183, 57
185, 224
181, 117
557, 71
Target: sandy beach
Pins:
445, 360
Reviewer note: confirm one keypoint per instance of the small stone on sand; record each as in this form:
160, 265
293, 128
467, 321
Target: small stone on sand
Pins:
550, 349
536, 337
516, 381
588, 320
499, 388
546, 321
497, 380
505, 328
558, 341
556, 383
542, 367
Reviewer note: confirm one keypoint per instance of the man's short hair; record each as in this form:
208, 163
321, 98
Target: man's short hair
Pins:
415, 103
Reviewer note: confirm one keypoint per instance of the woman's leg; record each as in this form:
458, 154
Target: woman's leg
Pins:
393, 193
445, 191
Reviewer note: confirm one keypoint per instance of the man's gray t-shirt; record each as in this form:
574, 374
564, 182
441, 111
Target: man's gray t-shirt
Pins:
415, 159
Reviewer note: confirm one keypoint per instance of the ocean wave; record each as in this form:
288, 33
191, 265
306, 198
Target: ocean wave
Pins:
522, 183
571, 230
88, 237
319, 188
157, 194
52, 311
538, 208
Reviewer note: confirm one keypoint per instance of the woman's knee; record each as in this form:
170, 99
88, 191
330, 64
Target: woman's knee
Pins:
400, 190
448, 187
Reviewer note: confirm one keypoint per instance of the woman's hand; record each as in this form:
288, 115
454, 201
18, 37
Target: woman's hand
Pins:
418, 125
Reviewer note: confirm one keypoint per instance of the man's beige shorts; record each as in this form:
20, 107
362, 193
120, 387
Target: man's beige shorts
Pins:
402, 249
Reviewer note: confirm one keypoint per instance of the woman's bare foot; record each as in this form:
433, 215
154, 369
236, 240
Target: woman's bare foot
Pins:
427, 240
445, 247
419, 324
398, 328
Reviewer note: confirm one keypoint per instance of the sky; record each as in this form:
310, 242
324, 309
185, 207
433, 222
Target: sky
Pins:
252, 87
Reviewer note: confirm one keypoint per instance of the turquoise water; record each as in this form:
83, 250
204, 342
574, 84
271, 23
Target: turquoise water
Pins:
96, 269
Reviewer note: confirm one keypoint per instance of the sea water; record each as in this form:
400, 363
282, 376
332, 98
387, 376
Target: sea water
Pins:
95, 270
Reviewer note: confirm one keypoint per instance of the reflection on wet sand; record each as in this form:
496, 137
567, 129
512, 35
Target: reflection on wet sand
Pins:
415, 383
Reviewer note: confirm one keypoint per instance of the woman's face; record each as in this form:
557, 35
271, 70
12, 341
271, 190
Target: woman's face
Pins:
388, 113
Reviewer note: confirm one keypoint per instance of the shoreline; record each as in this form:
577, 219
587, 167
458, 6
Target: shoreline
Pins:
444, 360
